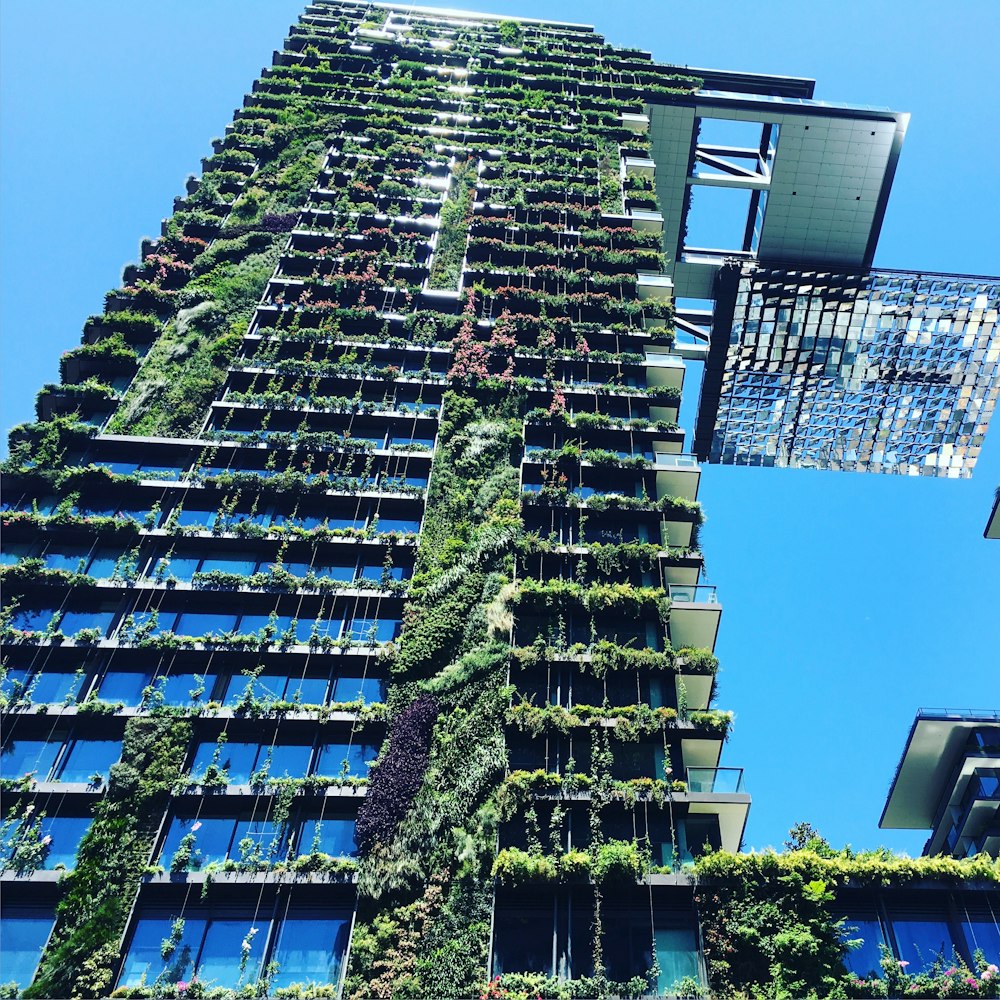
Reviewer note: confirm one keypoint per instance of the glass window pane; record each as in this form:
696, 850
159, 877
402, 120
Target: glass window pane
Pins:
310, 949
89, 757
144, 962
221, 955
195, 624
24, 931
65, 833
237, 759
864, 959
333, 755
212, 838
53, 687
73, 621
307, 690
333, 835
921, 938
21, 757
369, 689
181, 689
289, 761
123, 686
677, 954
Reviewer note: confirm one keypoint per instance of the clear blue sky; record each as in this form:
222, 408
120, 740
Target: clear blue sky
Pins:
850, 600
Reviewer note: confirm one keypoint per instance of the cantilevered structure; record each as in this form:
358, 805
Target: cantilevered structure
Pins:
948, 782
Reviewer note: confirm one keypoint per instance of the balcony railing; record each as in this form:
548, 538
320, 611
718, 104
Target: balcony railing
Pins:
701, 593
669, 461
717, 780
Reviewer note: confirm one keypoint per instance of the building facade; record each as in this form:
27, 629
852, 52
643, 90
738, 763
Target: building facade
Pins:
948, 782
354, 632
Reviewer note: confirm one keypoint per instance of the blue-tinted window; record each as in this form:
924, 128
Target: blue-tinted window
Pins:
368, 689
253, 624
399, 525
241, 563
863, 959
179, 567
310, 948
237, 759
221, 960
333, 835
981, 932
372, 630
144, 961
330, 762
32, 619
213, 837
12, 554
125, 686
45, 688
24, 931
69, 559
103, 565
183, 689
286, 761
218, 838
198, 624
73, 621
921, 938
21, 757
89, 757
65, 832
14, 683
307, 690
377, 572
195, 515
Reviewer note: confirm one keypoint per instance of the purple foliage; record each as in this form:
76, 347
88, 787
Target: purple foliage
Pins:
397, 777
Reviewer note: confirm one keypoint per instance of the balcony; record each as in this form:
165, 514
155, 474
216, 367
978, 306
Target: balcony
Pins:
653, 287
694, 616
677, 476
715, 780
976, 814
638, 166
730, 801
638, 124
650, 222
664, 370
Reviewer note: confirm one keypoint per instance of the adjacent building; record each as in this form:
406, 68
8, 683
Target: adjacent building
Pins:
354, 627
948, 782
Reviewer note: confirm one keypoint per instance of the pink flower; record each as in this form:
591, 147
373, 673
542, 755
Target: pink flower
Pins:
46, 840
903, 965
181, 986
196, 826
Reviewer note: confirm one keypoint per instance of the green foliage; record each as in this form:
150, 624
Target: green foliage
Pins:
767, 918
112, 857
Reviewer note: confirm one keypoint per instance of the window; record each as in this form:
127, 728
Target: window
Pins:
333, 835
41, 688
24, 931
66, 833
211, 947
218, 838
310, 947
87, 758
23, 757
676, 953
307, 946
241, 760
356, 756
863, 926
921, 937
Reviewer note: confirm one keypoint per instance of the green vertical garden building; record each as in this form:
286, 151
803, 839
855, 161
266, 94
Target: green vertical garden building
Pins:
354, 639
